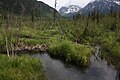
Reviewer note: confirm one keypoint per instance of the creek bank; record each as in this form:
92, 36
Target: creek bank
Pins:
72, 52
56, 69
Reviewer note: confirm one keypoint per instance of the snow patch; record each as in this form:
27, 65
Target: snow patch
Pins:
72, 9
117, 2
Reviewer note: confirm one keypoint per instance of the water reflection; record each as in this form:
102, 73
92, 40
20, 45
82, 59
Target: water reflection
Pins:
98, 69
118, 74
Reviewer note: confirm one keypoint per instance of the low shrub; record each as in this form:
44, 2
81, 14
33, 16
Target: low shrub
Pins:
110, 45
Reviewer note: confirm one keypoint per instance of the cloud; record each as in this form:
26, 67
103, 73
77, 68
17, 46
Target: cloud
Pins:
61, 3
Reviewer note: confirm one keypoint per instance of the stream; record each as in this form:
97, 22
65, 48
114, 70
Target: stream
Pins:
58, 70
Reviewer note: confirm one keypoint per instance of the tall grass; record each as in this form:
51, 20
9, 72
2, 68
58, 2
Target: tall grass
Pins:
21, 68
72, 52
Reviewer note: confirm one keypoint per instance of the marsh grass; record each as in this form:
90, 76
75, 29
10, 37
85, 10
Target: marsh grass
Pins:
21, 68
72, 52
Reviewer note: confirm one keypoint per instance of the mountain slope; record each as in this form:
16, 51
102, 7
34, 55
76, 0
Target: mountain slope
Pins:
102, 6
27, 7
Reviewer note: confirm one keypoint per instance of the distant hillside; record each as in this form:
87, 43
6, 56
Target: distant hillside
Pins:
27, 7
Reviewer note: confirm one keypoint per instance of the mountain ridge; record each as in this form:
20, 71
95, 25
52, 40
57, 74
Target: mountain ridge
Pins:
28, 7
99, 6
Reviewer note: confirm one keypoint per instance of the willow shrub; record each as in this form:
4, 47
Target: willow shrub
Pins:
111, 46
20, 68
72, 52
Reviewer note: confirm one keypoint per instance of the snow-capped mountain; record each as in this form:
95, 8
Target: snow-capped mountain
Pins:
102, 6
117, 2
69, 11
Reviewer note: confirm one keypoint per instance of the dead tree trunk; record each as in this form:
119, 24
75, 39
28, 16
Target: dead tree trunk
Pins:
54, 15
6, 37
32, 16
7, 47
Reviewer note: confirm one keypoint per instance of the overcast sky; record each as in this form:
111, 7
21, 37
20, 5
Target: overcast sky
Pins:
61, 3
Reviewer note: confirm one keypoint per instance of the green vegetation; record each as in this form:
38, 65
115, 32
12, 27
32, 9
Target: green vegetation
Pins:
70, 39
30, 23
111, 45
72, 52
21, 68
106, 33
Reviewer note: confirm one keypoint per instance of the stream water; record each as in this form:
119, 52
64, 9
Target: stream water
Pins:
58, 70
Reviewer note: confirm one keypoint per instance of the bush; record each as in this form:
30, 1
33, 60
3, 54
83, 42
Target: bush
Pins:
20, 68
111, 46
72, 52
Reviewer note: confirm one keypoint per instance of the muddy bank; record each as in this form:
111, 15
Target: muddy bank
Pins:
23, 47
